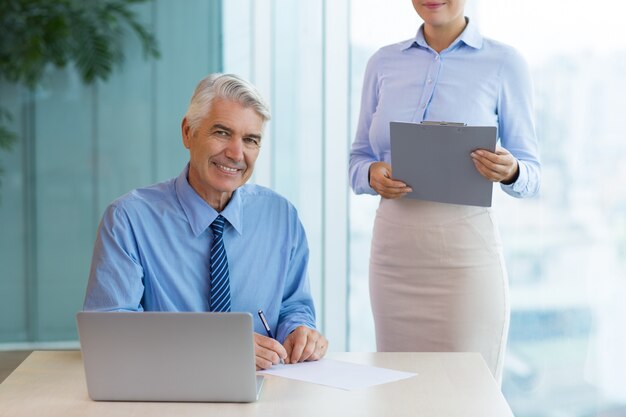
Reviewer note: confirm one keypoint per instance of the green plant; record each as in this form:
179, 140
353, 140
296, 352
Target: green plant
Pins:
38, 34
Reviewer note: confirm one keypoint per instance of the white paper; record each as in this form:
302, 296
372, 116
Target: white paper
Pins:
338, 374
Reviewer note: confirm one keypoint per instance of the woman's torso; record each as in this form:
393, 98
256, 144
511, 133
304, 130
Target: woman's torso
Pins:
461, 84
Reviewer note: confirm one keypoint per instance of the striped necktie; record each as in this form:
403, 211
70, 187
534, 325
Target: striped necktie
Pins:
219, 300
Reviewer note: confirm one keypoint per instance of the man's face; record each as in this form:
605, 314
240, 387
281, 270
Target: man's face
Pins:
222, 150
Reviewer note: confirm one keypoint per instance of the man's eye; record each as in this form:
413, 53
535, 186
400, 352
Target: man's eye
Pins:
221, 133
252, 141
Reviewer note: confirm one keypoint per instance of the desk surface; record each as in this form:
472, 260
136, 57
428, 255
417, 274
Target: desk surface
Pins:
52, 383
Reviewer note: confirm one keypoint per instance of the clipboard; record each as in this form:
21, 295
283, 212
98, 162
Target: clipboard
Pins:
434, 159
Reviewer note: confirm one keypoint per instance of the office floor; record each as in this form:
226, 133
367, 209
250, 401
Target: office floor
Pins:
10, 360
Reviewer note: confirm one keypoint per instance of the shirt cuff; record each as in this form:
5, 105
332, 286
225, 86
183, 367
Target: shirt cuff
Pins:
364, 187
517, 189
291, 324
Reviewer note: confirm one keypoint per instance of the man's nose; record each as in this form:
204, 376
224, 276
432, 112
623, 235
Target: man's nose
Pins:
234, 150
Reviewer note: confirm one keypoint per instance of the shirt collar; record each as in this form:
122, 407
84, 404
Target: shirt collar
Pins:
199, 213
470, 36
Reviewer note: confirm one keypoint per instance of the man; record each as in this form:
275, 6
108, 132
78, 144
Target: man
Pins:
204, 241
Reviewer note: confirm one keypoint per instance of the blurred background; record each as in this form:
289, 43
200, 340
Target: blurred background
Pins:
79, 145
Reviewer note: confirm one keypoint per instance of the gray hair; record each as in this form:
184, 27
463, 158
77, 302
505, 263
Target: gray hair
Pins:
228, 87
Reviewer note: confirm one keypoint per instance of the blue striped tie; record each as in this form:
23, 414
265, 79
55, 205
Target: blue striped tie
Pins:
219, 300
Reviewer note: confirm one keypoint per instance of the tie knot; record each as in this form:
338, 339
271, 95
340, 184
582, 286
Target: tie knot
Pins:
218, 226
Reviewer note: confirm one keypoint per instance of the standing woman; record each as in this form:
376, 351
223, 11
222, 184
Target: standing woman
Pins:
437, 276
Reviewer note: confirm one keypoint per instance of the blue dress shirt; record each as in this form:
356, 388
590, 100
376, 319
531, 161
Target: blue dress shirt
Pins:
152, 253
476, 80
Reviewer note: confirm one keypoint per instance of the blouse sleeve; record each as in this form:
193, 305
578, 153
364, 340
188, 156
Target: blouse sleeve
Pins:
516, 126
362, 155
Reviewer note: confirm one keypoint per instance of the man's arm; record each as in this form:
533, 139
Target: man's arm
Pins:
116, 277
297, 314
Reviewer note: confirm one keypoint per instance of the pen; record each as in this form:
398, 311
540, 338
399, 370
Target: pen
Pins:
267, 328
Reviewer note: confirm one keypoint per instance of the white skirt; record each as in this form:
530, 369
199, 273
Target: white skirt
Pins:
438, 282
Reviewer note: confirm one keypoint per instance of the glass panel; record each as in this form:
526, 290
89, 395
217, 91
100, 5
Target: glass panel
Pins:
300, 63
64, 203
80, 147
13, 287
297, 119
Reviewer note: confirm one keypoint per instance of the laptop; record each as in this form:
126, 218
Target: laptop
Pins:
166, 356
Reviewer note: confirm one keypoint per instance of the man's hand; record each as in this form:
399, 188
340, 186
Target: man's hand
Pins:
500, 166
305, 344
268, 352
383, 184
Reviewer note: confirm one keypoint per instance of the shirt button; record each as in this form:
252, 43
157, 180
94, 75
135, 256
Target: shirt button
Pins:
436, 57
424, 105
430, 80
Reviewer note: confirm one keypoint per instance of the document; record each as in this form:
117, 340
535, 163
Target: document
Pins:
434, 160
338, 374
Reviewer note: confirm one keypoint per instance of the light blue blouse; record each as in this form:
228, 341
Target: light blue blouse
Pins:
476, 80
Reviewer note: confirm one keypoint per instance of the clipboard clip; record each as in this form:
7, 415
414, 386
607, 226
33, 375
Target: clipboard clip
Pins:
432, 123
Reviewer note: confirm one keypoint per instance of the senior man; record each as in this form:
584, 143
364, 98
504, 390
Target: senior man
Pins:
206, 240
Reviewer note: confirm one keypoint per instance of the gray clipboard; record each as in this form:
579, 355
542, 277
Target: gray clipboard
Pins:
434, 160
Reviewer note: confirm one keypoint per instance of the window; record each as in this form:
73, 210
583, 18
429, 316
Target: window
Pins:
297, 54
80, 147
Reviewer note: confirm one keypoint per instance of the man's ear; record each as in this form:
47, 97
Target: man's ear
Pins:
186, 132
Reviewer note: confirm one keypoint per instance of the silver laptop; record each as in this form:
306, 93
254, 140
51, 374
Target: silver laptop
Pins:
158, 356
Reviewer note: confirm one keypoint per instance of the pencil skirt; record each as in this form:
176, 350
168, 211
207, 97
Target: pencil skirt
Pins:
438, 281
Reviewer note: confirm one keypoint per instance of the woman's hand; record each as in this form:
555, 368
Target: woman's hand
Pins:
383, 184
500, 166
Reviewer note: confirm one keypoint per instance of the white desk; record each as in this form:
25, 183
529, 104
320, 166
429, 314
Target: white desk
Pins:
52, 384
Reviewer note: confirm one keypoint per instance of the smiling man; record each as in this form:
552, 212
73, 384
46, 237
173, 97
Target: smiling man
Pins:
206, 240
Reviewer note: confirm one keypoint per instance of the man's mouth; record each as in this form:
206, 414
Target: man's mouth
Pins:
226, 168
